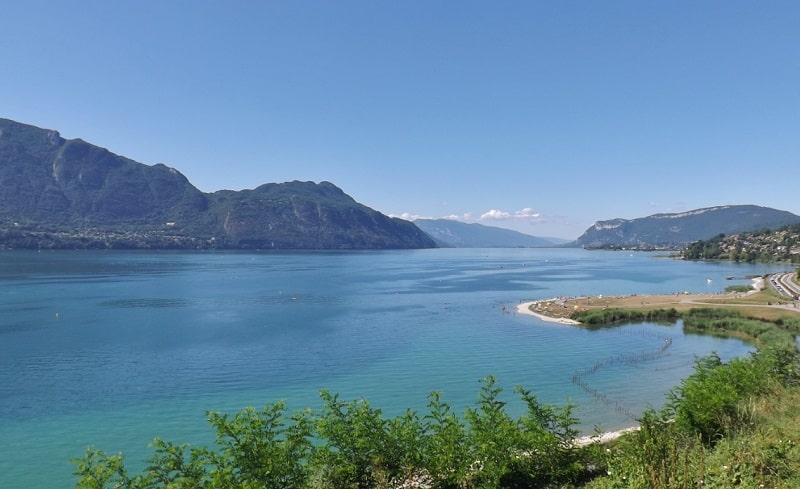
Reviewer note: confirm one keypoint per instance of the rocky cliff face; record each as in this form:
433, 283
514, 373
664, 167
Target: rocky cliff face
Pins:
69, 193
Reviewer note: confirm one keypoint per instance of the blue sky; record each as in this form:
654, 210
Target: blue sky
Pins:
538, 116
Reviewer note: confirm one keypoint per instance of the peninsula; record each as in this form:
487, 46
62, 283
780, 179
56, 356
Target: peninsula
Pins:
760, 302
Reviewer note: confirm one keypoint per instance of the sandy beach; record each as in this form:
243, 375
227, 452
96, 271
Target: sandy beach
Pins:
527, 308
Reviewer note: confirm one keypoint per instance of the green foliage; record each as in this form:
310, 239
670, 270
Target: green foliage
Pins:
550, 433
349, 444
789, 323
727, 322
171, 466
716, 321
705, 249
446, 455
98, 470
656, 455
492, 434
707, 403
616, 316
739, 288
258, 448
360, 447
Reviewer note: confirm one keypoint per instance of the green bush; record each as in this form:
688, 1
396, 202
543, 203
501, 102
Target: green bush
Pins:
724, 322
357, 449
258, 449
351, 445
739, 288
446, 455
656, 456
615, 316
707, 402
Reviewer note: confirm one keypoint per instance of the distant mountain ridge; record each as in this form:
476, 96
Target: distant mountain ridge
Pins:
677, 230
58, 193
454, 234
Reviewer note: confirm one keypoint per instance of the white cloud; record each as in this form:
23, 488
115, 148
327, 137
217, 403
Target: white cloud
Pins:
495, 215
409, 217
455, 217
526, 214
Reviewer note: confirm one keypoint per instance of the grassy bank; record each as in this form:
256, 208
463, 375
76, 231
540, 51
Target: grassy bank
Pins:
726, 426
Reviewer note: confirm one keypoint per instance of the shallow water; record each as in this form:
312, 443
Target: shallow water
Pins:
114, 348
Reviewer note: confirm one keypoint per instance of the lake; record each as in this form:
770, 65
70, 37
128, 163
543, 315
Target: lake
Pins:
112, 349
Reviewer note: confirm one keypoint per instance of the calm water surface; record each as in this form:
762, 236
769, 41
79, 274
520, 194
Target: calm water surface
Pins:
113, 348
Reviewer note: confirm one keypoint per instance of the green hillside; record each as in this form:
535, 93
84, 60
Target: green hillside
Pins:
780, 245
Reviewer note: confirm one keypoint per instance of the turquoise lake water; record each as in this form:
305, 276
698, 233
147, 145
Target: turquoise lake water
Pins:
112, 349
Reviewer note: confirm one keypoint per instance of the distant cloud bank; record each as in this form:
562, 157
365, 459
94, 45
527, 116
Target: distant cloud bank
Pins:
527, 215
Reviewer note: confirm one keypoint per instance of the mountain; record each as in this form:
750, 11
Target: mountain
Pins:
306, 215
454, 234
58, 193
679, 229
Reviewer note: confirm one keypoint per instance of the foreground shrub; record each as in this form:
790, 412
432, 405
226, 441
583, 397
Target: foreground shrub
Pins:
660, 455
259, 449
707, 403
447, 457
351, 445
657, 456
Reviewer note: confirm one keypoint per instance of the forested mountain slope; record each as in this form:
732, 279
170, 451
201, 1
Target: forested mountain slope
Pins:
58, 193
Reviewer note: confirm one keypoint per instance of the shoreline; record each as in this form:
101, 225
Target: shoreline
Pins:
560, 307
584, 440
